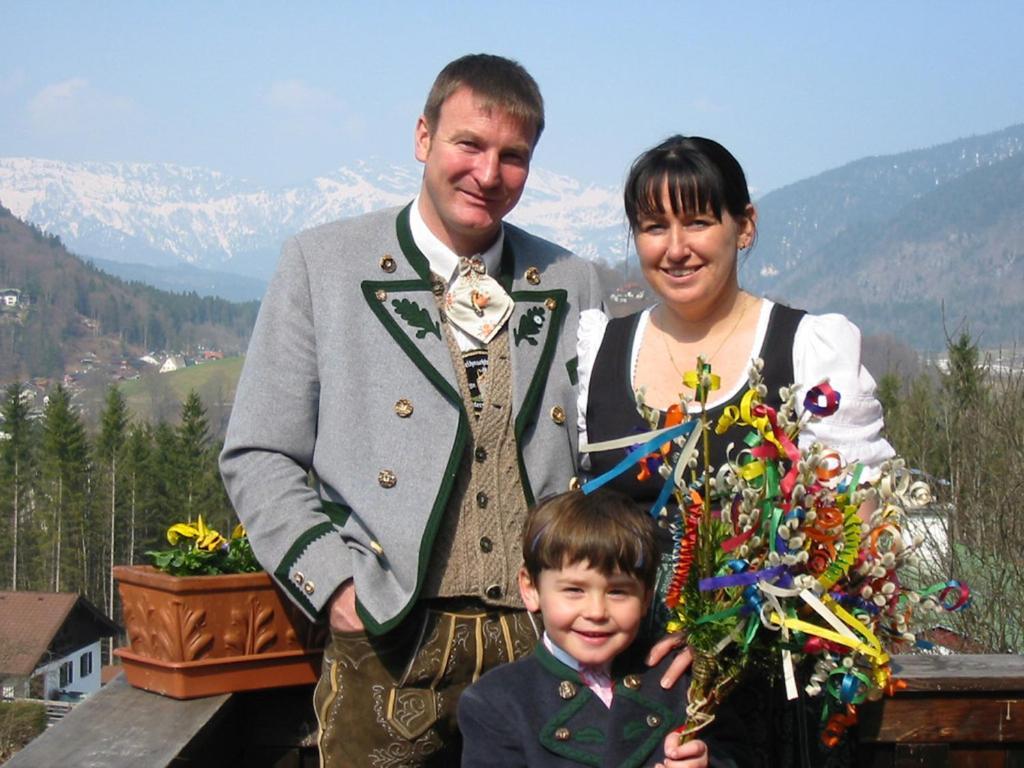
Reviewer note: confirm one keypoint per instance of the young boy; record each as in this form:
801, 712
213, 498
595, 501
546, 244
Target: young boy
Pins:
585, 697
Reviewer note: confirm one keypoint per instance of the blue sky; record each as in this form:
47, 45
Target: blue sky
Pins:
279, 94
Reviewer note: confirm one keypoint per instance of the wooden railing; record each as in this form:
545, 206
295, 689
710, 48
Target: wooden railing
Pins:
955, 711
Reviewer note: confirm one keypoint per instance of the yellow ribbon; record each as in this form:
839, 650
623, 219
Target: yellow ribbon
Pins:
692, 380
744, 415
843, 623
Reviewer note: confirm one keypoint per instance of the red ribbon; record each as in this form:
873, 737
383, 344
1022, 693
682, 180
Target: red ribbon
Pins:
686, 548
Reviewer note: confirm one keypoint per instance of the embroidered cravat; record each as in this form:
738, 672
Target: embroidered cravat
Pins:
599, 681
476, 303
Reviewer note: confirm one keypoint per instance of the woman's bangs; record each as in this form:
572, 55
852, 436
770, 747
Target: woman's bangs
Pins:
690, 193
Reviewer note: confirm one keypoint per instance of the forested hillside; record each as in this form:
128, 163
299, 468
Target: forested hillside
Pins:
75, 501
63, 310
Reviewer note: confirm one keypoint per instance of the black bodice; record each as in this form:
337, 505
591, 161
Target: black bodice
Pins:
611, 405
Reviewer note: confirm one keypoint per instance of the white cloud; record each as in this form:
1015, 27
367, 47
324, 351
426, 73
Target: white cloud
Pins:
306, 113
707, 106
11, 82
57, 99
75, 107
299, 97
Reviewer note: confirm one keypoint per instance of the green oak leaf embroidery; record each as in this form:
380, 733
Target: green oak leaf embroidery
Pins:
635, 729
590, 735
417, 317
529, 326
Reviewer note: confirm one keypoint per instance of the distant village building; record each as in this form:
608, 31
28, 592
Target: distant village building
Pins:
173, 363
50, 645
149, 360
628, 292
10, 297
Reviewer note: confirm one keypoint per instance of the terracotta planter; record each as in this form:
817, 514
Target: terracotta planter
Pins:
192, 636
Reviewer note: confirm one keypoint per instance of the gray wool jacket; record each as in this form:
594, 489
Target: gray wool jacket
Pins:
348, 427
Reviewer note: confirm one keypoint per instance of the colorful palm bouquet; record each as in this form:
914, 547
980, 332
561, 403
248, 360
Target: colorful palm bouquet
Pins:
199, 550
783, 554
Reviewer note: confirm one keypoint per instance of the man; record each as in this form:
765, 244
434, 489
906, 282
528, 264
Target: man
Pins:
408, 393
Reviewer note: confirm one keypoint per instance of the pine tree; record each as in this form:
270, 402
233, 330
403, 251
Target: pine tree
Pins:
166, 496
16, 470
964, 380
140, 490
109, 449
64, 465
193, 451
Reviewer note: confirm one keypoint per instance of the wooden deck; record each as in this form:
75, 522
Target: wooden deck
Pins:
122, 727
955, 711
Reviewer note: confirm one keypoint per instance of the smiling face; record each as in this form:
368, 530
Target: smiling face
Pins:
689, 259
590, 616
476, 161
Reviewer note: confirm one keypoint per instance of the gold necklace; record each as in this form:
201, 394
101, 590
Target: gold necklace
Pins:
709, 358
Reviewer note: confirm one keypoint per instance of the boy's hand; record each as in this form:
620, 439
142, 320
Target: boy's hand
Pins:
692, 754
679, 664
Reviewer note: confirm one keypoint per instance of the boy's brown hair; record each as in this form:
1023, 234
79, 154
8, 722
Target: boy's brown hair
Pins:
606, 529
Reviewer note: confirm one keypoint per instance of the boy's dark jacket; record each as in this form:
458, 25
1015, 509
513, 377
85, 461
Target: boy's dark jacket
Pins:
536, 712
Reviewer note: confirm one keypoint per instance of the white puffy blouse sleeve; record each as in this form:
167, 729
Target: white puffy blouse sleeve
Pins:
588, 341
828, 347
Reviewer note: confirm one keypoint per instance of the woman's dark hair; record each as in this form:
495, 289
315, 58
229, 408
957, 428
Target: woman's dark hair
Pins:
701, 175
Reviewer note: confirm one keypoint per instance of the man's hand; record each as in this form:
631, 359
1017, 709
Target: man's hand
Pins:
679, 664
343, 616
692, 754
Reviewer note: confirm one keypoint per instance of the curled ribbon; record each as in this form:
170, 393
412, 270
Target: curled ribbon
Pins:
821, 400
702, 381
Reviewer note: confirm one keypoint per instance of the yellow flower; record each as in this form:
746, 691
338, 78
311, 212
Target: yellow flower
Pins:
181, 530
205, 537
239, 531
208, 538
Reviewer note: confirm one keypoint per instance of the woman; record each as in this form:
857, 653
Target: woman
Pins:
690, 215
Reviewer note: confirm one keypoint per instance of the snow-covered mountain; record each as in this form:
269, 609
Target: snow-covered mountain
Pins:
163, 214
881, 239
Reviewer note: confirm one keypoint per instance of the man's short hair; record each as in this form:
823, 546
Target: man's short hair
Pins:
497, 82
605, 529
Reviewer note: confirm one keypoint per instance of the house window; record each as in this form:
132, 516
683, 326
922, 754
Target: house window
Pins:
85, 665
67, 674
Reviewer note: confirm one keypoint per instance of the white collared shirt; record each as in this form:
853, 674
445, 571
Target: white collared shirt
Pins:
444, 262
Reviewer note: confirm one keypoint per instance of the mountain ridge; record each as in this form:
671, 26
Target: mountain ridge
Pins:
164, 216
64, 312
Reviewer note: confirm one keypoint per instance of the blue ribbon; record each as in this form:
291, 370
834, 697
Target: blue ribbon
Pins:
778, 574
680, 430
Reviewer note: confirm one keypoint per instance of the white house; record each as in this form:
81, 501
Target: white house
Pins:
50, 645
172, 363
9, 297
